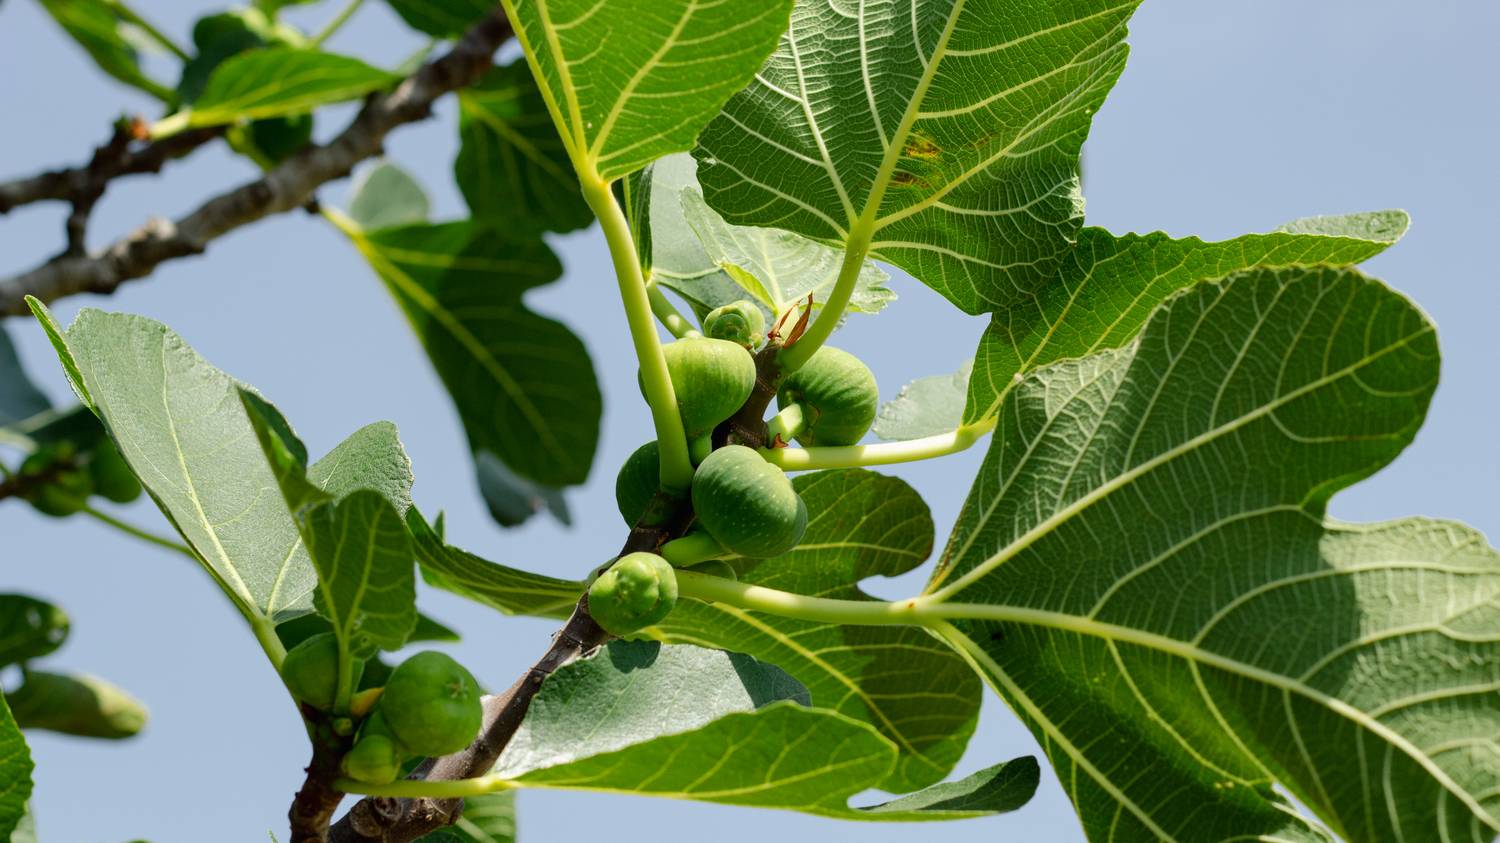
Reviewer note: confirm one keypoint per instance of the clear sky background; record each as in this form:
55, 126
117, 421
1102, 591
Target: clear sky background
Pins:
1233, 116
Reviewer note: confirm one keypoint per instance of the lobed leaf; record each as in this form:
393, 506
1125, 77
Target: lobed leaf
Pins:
512, 168
630, 82
366, 586
1145, 572
1108, 286
523, 384
943, 133
282, 81
914, 691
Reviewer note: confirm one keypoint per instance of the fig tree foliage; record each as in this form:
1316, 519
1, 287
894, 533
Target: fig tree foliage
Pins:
1144, 570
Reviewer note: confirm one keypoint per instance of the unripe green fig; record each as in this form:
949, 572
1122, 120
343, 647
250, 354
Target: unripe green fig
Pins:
431, 704
61, 486
311, 670
747, 504
740, 322
637, 591
374, 759
637, 482
113, 479
80, 705
711, 379
838, 395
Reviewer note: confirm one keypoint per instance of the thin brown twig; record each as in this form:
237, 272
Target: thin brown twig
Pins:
288, 186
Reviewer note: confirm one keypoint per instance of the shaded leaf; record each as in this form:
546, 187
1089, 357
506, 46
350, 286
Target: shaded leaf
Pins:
914, 691
512, 499
29, 628
442, 18
1108, 286
19, 397
81, 705
669, 67
925, 407
946, 134
511, 166
281, 81
99, 28
688, 723
523, 384
1145, 571
508, 590
386, 195
15, 772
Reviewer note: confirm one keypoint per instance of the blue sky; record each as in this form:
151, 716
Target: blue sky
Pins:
1231, 117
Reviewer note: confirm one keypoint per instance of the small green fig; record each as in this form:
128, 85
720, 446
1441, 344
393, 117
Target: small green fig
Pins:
637, 591
741, 322
432, 704
711, 379
113, 479
311, 670
637, 482
80, 705
838, 396
747, 504
61, 486
374, 759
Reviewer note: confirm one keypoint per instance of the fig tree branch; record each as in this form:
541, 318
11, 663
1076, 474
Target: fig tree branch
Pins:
288, 186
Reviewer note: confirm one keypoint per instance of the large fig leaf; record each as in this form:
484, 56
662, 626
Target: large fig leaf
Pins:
511, 166
914, 691
1145, 572
630, 82
180, 424
523, 384
1107, 287
691, 723
943, 134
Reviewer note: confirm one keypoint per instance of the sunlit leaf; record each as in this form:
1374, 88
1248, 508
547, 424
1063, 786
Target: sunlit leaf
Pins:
280, 81
1107, 287
945, 134
1145, 571
100, 29
630, 82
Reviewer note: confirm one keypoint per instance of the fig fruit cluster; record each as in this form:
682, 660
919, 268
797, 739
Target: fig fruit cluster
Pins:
59, 478
429, 706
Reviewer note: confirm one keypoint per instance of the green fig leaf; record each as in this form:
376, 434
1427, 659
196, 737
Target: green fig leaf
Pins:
523, 384
511, 167
1146, 572
945, 135
487, 818
442, 18
281, 81
1108, 286
19, 397
15, 772
385, 196
669, 68
80, 705
508, 590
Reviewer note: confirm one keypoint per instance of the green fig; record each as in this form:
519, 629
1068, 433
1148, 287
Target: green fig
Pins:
711, 379
432, 704
747, 504
638, 590
638, 481
311, 670
742, 323
838, 397
113, 479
